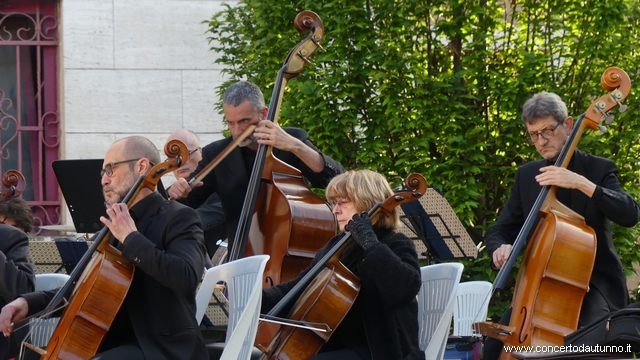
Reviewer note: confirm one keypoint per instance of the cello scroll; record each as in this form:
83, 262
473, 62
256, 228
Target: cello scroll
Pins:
14, 181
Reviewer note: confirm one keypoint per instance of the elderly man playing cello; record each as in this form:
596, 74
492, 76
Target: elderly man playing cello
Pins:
163, 240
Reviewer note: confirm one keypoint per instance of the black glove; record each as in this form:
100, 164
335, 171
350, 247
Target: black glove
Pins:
360, 228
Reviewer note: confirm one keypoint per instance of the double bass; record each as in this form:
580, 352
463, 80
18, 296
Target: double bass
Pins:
281, 216
100, 281
556, 269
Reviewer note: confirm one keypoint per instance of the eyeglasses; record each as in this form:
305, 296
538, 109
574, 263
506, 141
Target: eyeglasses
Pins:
342, 202
546, 134
108, 169
192, 151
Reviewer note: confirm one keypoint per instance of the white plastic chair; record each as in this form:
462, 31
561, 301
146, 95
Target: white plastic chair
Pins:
472, 305
243, 278
42, 329
435, 306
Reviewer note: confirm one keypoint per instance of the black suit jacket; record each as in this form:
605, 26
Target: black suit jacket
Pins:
609, 203
159, 309
16, 277
230, 178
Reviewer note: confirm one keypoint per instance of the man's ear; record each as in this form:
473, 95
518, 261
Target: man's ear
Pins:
143, 166
568, 123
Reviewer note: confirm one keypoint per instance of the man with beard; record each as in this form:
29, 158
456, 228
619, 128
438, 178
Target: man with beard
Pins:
243, 105
163, 240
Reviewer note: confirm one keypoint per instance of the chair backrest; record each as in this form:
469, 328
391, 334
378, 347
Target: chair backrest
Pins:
243, 278
435, 306
472, 305
42, 329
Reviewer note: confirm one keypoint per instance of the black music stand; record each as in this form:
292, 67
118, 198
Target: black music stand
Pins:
80, 183
435, 223
71, 251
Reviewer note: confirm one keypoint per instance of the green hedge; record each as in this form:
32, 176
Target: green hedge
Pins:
436, 87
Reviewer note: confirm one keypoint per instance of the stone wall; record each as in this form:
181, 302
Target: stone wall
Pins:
135, 67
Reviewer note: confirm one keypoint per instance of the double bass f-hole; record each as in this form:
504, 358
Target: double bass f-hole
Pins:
522, 326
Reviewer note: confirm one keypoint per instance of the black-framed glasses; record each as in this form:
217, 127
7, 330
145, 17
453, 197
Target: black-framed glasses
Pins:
342, 202
108, 169
546, 134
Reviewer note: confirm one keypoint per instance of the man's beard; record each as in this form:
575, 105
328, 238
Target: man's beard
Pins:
250, 140
118, 193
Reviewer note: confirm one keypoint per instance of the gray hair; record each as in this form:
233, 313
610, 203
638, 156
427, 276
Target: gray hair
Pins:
542, 105
241, 91
141, 147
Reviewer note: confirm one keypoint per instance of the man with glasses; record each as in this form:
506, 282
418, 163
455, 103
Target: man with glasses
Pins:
589, 186
163, 240
243, 105
210, 212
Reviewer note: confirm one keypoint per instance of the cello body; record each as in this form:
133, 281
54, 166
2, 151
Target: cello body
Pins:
327, 300
96, 301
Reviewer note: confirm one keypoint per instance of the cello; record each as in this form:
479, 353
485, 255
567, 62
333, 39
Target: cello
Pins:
327, 291
14, 182
99, 283
558, 261
281, 216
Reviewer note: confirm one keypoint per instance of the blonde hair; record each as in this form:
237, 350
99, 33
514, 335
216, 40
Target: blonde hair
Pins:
365, 188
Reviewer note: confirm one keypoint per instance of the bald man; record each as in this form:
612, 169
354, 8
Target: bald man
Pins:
210, 212
163, 240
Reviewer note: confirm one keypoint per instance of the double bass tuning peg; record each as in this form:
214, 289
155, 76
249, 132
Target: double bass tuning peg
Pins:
608, 118
601, 130
617, 96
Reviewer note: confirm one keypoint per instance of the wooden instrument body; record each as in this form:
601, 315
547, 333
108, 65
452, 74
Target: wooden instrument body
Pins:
299, 223
552, 280
96, 300
327, 300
